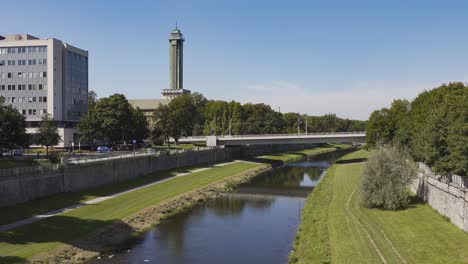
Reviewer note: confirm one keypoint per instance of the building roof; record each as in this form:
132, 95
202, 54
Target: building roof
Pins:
148, 104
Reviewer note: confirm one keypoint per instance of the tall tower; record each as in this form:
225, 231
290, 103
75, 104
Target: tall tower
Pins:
176, 55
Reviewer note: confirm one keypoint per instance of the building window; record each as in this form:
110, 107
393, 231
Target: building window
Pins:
45, 87
34, 99
42, 74
44, 99
2, 63
23, 111
13, 99
2, 87
34, 111
30, 99
10, 75
29, 111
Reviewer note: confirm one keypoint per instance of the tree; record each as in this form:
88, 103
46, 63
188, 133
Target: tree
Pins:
140, 128
113, 116
163, 126
433, 127
182, 112
199, 102
47, 133
386, 177
12, 127
88, 126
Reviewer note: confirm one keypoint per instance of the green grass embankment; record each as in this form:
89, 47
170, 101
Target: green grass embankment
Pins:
61, 200
337, 229
46, 235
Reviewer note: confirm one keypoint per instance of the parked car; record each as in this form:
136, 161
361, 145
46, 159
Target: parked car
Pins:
103, 149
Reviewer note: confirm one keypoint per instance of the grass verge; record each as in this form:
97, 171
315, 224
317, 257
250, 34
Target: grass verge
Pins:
337, 229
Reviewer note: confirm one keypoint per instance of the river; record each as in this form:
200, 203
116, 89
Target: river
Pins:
255, 224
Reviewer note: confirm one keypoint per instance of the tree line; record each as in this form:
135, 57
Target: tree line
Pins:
433, 128
193, 115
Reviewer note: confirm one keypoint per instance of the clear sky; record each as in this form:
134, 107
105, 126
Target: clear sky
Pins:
315, 57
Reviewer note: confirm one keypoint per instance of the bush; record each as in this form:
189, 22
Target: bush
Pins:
386, 176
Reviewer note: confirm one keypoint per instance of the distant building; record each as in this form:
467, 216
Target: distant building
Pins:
176, 69
148, 106
45, 76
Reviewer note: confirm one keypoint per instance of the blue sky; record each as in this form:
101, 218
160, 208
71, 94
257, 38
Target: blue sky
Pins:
316, 57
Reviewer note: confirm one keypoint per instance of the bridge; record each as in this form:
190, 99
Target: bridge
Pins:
277, 139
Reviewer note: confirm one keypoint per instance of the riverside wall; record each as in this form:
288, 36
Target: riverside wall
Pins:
447, 195
25, 184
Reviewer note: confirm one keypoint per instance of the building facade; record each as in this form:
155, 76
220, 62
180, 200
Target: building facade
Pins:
45, 77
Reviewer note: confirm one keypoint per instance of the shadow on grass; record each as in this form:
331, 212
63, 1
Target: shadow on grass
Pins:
273, 163
12, 259
349, 161
103, 235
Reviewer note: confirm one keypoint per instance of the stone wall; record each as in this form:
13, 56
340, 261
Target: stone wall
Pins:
447, 195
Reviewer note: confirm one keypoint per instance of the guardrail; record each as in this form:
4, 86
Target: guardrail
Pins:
359, 133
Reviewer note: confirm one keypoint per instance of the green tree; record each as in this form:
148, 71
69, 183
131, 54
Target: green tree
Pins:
163, 125
140, 127
113, 117
89, 126
386, 177
12, 127
47, 133
182, 113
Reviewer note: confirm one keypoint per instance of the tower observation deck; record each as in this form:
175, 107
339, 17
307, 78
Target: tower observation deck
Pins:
176, 64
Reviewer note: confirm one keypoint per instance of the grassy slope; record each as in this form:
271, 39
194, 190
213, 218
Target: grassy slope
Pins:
45, 235
47, 204
336, 229
360, 154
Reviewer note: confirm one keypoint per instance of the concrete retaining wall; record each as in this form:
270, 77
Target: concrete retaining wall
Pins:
18, 186
21, 185
91, 175
449, 196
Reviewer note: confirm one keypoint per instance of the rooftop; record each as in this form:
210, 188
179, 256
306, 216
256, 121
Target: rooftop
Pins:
17, 37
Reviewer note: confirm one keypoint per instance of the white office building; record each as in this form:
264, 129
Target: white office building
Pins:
45, 76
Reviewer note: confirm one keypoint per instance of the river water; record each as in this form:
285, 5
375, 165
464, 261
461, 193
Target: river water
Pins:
255, 224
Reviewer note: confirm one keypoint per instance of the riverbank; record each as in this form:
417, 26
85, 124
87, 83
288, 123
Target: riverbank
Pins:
84, 232
337, 229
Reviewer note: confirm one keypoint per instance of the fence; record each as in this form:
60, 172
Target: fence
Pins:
86, 158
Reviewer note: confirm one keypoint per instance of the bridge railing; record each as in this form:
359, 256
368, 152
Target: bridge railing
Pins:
296, 134
363, 133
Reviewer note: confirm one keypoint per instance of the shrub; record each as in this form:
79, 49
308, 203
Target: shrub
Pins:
385, 178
